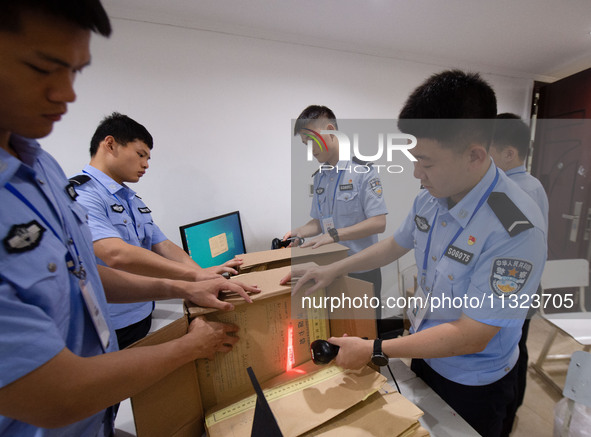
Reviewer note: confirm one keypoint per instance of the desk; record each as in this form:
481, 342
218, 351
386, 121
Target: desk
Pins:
577, 325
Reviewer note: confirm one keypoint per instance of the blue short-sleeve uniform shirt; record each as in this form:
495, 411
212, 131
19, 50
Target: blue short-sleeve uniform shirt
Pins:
350, 195
489, 273
531, 186
42, 310
115, 211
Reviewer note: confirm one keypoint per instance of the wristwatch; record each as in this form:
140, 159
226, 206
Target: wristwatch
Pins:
334, 234
378, 357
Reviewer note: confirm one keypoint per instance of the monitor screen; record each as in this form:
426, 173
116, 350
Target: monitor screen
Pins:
214, 241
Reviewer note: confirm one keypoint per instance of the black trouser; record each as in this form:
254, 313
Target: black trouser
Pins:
132, 333
522, 362
489, 409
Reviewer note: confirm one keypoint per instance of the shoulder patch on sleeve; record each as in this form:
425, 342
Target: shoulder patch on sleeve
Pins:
80, 179
508, 213
356, 160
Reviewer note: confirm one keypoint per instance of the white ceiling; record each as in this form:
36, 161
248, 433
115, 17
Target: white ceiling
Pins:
544, 39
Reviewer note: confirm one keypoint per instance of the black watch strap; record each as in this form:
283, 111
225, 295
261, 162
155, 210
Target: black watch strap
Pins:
377, 346
379, 358
334, 234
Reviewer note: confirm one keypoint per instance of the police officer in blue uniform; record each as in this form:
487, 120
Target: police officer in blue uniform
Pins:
480, 248
59, 368
124, 233
348, 206
509, 149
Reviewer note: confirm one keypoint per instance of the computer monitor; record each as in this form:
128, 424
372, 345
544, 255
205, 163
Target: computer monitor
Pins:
214, 241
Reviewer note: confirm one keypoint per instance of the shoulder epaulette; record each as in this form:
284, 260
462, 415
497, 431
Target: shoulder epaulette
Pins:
360, 162
80, 179
315, 173
511, 217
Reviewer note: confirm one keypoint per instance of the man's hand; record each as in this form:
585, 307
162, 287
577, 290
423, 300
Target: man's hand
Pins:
354, 352
227, 267
286, 279
292, 234
207, 337
321, 277
318, 241
208, 293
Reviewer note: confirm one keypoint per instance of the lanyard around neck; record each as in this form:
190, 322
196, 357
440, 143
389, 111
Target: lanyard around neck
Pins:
77, 271
334, 195
455, 237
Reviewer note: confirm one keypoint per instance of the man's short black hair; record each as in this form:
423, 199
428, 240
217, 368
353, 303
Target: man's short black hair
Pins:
123, 129
511, 130
314, 112
453, 107
88, 14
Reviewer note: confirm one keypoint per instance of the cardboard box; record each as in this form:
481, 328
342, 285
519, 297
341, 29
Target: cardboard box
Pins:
270, 259
274, 341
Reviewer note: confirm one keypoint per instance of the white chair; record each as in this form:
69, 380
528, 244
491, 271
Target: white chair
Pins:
564, 273
577, 389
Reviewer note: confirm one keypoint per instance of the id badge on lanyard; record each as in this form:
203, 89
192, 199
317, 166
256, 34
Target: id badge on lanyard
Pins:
327, 223
98, 319
418, 308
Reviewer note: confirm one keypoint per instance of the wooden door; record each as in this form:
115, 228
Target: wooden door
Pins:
562, 162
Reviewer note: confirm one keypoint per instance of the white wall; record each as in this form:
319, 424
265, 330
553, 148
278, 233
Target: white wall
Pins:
220, 109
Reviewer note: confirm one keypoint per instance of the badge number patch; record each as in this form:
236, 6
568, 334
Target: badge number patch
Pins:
422, 223
459, 255
24, 237
144, 210
509, 275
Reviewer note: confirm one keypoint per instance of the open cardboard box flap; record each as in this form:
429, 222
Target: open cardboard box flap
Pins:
171, 407
269, 259
174, 406
316, 393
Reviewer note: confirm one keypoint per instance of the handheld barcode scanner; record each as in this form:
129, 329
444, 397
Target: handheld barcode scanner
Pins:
323, 352
278, 243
